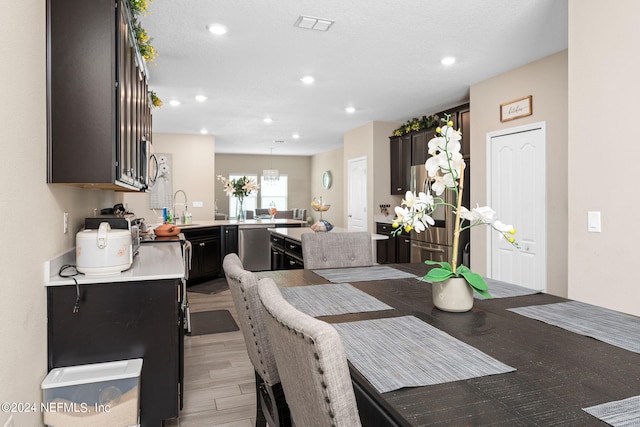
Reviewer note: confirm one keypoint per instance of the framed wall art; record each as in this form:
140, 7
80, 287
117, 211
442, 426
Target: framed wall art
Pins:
517, 108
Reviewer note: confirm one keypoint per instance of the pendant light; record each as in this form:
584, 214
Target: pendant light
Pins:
271, 174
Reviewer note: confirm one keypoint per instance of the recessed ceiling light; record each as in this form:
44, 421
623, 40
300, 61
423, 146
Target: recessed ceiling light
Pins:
204, 131
217, 29
201, 98
268, 120
295, 136
448, 60
174, 103
307, 80
350, 110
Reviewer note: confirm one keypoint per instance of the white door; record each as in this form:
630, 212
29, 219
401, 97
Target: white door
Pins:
517, 192
357, 194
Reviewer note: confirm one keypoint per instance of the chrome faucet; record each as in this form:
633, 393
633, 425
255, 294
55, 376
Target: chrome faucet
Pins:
175, 214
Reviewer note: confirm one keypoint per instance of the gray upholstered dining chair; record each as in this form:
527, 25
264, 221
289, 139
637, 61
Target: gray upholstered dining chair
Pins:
335, 250
314, 371
270, 400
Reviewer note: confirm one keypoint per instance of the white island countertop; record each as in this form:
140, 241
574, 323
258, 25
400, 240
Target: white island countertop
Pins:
296, 233
154, 261
248, 223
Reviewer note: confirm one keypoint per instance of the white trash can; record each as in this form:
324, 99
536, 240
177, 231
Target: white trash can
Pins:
98, 395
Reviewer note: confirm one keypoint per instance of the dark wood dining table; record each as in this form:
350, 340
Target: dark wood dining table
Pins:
558, 372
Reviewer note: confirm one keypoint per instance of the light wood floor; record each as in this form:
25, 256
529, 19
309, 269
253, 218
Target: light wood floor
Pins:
219, 378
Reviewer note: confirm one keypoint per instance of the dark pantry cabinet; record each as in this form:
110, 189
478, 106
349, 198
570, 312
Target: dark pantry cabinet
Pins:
98, 106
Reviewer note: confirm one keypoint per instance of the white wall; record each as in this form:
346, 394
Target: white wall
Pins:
333, 162
546, 81
371, 140
193, 171
603, 152
32, 209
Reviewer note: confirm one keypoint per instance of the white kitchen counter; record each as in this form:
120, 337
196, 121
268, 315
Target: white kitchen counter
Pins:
296, 233
154, 261
249, 223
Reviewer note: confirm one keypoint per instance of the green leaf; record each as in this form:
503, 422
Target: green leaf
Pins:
477, 283
438, 275
442, 264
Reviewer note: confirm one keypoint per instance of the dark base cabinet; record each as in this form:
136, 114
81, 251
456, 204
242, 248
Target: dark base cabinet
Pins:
119, 321
397, 249
206, 259
286, 253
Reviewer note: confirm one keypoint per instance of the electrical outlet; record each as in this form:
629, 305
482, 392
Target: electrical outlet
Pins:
198, 204
65, 222
9, 422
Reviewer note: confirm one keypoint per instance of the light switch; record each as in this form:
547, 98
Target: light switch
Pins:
593, 222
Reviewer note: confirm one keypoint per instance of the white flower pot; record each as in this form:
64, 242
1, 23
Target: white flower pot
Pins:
453, 294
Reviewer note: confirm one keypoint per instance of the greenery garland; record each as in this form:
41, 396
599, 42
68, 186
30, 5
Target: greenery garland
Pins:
148, 52
415, 124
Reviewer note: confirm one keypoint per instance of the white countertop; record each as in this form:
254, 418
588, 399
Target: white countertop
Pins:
296, 233
249, 223
154, 261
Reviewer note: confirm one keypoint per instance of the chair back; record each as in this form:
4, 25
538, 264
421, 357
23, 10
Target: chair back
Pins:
314, 371
336, 250
244, 291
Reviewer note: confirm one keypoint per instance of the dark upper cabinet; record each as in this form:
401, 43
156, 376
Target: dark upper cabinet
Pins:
413, 148
98, 108
400, 163
464, 122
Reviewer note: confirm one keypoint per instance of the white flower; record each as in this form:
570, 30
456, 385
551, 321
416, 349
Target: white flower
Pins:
408, 199
424, 202
228, 188
445, 163
448, 141
442, 182
482, 214
402, 214
502, 227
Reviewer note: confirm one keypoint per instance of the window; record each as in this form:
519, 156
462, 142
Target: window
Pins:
250, 202
274, 191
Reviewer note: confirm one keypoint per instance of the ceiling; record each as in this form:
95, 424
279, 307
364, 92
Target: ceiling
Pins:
380, 57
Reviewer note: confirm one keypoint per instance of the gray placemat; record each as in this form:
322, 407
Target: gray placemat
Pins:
362, 274
499, 289
621, 413
330, 299
612, 327
406, 352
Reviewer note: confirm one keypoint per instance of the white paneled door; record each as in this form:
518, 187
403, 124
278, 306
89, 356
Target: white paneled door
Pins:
357, 194
517, 192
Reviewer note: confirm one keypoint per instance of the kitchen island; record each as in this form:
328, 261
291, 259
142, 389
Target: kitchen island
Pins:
213, 240
133, 314
286, 246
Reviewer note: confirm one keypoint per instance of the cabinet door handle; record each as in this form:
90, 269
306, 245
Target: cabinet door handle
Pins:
399, 189
292, 262
292, 246
202, 244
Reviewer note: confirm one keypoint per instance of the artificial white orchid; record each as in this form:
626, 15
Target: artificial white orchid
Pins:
445, 168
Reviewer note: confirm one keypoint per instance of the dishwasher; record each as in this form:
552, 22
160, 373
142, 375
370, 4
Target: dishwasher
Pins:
254, 247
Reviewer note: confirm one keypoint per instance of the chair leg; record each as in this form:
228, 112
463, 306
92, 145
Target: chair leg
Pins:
261, 420
272, 404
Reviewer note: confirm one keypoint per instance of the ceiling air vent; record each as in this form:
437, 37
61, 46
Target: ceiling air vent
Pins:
311, 23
